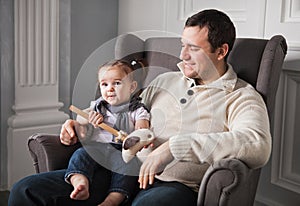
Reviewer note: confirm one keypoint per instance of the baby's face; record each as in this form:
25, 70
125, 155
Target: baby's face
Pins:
115, 86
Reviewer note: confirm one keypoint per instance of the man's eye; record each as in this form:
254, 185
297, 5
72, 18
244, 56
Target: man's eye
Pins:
193, 48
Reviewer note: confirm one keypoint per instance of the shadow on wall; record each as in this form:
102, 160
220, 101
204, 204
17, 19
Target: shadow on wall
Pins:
3, 198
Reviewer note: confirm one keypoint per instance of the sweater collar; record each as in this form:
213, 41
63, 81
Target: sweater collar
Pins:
226, 82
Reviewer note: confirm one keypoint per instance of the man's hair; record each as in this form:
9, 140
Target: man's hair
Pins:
220, 28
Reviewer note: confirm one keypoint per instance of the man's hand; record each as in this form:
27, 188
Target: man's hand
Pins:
155, 163
69, 130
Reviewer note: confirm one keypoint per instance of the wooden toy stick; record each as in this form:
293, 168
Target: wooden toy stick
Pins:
102, 125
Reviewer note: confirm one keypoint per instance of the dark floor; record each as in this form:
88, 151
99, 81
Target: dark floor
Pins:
3, 198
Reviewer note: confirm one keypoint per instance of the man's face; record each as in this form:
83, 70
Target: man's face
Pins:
199, 61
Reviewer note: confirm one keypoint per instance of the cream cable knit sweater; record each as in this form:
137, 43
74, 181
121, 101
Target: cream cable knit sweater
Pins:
224, 119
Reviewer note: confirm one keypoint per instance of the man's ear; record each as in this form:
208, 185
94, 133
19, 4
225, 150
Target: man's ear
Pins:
222, 51
133, 86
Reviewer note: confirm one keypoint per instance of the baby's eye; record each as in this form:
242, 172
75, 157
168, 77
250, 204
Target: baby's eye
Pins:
103, 84
118, 83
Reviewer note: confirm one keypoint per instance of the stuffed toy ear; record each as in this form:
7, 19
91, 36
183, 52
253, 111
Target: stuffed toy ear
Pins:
130, 141
135, 141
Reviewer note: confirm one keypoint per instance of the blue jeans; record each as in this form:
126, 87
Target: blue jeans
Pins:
166, 194
50, 188
81, 162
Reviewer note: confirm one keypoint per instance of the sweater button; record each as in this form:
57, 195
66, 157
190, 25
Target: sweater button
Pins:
190, 92
183, 101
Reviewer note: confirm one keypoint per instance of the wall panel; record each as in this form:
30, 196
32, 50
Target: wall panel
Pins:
285, 164
283, 16
248, 16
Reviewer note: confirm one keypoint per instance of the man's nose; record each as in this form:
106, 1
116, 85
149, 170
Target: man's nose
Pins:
184, 54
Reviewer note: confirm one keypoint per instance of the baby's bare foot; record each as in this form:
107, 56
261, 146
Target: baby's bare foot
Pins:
81, 187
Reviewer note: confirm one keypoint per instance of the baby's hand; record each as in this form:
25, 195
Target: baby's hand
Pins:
95, 118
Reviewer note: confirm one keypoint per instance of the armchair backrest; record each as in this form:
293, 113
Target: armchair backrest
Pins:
259, 62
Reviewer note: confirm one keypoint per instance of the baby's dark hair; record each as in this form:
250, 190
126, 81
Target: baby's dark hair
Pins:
126, 66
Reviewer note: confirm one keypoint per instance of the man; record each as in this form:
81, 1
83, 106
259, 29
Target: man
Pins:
200, 115
221, 116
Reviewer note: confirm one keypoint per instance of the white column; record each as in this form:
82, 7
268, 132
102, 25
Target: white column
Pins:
36, 81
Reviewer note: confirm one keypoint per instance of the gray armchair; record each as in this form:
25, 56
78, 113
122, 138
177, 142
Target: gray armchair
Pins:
227, 182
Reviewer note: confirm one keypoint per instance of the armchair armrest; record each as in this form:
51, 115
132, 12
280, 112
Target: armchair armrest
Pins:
228, 182
48, 153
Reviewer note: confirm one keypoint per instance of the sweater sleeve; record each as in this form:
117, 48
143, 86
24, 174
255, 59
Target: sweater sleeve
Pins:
247, 137
142, 113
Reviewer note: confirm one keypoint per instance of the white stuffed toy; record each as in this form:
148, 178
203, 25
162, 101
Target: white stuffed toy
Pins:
135, 141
